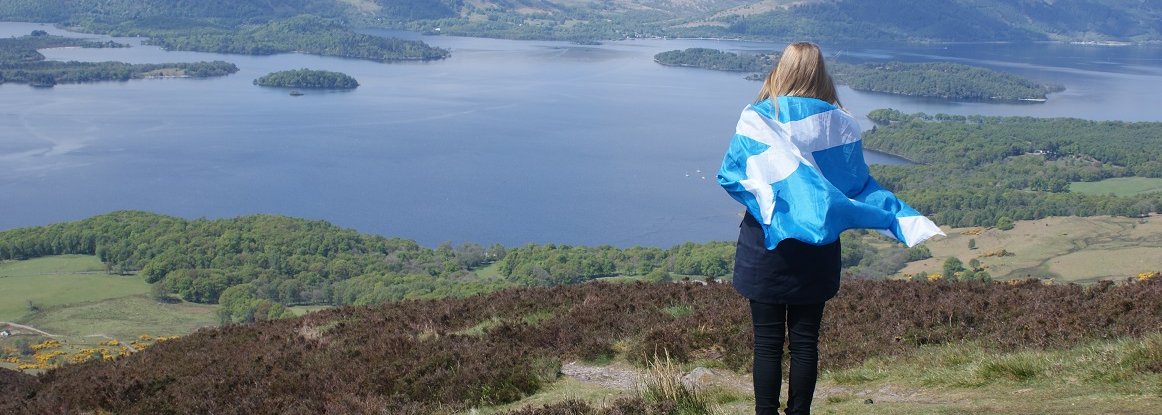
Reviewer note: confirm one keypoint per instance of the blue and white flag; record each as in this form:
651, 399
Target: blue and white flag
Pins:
803, 176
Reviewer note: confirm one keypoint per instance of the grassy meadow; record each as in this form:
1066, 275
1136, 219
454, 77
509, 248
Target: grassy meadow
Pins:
58, 281
1067, 249
1119, 186
85, 309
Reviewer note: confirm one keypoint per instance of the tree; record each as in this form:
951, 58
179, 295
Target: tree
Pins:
972, 243
659, 274
952, 265
918, 252
1004, 223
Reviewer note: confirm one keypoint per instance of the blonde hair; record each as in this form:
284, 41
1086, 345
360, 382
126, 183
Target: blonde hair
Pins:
800, 73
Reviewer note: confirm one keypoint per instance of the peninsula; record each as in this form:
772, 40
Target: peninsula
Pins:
20, 62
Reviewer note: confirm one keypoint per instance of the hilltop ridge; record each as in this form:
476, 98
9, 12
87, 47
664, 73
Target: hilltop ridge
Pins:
589, 20
454, 354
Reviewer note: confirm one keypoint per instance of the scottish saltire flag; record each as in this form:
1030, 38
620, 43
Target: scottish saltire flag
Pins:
803, 176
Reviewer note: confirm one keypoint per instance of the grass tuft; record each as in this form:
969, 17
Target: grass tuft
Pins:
1021, 367
678, 310
663, 383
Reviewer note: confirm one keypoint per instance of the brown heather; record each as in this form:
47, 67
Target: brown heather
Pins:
447, 355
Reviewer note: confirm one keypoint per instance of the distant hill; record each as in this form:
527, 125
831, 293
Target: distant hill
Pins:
151, 12
951, 20
882, 20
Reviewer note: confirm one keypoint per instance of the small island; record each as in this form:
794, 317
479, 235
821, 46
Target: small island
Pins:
940, 80
308, 79
933, 80
21, 62
717, 60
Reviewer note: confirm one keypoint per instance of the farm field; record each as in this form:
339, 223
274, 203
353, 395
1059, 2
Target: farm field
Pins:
1120, 186
85, 310
1067, 249
124, 318
61, 280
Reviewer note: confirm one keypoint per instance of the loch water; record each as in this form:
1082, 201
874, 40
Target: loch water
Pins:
506, 141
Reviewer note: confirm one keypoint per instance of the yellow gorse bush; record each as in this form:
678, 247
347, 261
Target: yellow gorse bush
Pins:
85, 355
47, 344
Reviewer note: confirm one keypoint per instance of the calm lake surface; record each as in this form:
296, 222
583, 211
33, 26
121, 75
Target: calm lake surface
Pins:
506, 141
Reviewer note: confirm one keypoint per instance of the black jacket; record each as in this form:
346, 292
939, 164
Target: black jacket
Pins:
793, 273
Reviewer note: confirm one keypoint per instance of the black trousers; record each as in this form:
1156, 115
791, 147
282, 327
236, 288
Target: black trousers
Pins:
770, 322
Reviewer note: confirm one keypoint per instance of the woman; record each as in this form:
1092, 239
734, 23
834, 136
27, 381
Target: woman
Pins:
796, 162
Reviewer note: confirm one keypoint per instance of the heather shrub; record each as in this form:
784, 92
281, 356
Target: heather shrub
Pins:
622, 406
15, 384
414, 356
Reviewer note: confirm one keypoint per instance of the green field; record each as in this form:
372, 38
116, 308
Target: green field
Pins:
61, 280
1119, 186
83, 307
299, 310
124, 318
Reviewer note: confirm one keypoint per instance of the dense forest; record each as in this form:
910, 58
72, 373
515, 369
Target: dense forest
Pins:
21, 62
255, 265
939, 80
981, 171
935, 80
307, 78
450, 355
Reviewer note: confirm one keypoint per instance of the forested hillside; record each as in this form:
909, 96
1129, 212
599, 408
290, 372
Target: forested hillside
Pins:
162, 13
950, 20
984, 171
254, 265
589, 20
254, 27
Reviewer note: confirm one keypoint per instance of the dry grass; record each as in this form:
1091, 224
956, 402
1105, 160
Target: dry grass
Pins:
1069, 249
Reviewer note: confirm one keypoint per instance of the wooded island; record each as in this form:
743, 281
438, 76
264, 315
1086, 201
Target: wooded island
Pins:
933, 80
308, 79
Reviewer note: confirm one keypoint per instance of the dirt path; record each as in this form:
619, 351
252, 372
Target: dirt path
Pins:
29, 328
624, 378
613, 377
